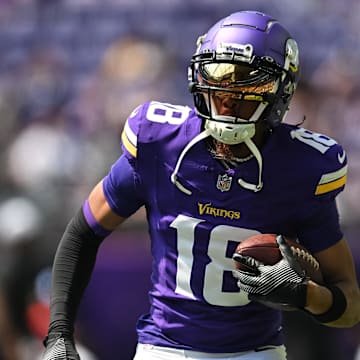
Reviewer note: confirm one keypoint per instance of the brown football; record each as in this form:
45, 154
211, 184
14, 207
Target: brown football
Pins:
264, 248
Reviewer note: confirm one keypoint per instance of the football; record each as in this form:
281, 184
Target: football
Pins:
264, 248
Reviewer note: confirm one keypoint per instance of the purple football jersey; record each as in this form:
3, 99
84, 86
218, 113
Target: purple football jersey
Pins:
195, 302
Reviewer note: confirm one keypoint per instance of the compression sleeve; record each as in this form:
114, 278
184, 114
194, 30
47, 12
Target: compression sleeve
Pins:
73, 264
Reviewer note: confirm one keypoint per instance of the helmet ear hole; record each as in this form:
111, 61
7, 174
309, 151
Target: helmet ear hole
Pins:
200, 104
273, 122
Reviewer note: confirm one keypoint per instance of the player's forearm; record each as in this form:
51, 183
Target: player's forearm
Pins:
320, 300
73, 265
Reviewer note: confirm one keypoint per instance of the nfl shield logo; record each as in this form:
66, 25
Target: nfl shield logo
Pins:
224, 182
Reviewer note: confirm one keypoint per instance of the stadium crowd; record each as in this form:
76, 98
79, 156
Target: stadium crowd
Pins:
71, 71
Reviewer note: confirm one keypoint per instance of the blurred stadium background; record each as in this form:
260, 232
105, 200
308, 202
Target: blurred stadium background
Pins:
70, 73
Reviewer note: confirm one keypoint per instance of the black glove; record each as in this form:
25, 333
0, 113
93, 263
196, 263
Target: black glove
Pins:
60, 347
281, 286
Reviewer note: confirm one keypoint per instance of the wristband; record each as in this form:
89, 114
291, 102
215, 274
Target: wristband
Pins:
337, 308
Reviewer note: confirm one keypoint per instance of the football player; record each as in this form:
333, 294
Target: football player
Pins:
210, 176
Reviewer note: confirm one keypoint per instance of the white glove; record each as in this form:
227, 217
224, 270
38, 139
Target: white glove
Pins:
59, 347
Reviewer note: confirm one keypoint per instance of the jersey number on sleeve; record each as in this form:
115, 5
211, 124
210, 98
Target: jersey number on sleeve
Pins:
167, 113
318, 141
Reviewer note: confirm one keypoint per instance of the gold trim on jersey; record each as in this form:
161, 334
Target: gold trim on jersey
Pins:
331, 181
129, 140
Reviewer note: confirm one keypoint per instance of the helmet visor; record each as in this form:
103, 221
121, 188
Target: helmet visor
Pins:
226, 74
244, 103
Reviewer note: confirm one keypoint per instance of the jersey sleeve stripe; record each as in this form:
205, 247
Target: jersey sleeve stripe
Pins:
128, 145
333, 176
333, 185
332, 181
130, 134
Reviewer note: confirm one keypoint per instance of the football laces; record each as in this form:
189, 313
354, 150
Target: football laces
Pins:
301, 253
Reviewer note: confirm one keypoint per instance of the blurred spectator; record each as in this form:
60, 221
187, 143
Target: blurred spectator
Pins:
24, 280
20, 224
132, 70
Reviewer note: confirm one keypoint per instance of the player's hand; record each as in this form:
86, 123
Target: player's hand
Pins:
59, 347
284, 283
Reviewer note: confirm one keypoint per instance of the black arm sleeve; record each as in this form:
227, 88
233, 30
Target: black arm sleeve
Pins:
73, 264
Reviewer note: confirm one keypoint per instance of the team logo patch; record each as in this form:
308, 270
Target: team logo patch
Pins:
224, 182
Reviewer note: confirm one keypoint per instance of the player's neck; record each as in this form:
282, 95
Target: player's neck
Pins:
239, 152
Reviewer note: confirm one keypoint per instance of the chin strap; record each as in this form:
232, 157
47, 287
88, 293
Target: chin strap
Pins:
254, 187
203, 135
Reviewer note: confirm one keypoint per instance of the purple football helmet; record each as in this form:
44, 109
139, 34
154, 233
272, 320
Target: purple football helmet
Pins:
250, 57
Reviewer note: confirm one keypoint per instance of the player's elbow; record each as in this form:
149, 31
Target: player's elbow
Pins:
351, 316
348, 320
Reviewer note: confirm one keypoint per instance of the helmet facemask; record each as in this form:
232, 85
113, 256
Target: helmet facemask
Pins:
237, 70
232, 97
